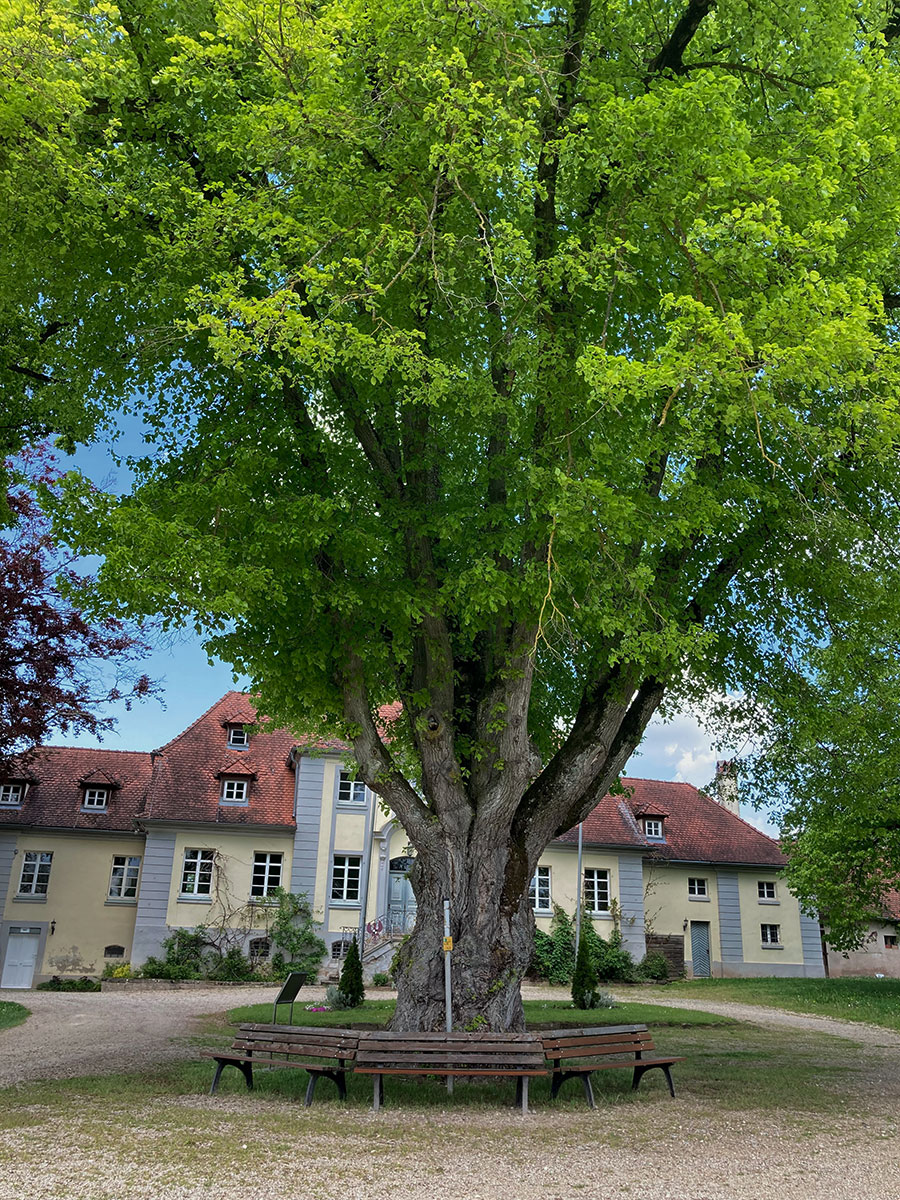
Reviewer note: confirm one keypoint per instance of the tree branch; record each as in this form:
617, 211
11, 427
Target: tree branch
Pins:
670, 56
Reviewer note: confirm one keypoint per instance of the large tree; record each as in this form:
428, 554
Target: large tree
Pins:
526, 364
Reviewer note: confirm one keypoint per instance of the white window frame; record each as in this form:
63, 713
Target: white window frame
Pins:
95, 799
34, 879
540, 889
123, 877
266, 864
350, 790
595, 881
654, 830
197, 868
235, 792
238, 737
11, 795
766, 932
766, 891
698, 888
346, 875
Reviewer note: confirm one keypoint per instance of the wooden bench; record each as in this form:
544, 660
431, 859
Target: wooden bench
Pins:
517, 1055
328, 1052
605, 1047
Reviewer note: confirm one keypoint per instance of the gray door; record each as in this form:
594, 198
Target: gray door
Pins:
20, 958
401, 900
700, 948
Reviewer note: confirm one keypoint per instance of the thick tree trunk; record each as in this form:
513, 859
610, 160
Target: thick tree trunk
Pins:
492, 942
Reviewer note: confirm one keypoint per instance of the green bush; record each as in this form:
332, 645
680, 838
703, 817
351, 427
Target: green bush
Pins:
336, 999
232, 966
381, 979
616, 963
297, 946
351, 982
562, 953
584, 979
541, 955
653, 965
61, 984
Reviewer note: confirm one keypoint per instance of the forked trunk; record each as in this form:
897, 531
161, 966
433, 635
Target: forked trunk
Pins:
492, 945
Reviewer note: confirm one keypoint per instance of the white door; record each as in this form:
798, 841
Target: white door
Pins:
21, 956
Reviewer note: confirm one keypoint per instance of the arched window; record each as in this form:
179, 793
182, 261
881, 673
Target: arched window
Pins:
114, 952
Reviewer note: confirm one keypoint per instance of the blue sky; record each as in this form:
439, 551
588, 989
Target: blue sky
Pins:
679, 749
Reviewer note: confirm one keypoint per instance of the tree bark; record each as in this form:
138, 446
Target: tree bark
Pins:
492, 935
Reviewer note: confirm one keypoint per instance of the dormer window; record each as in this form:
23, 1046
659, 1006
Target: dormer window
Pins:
653, 829
238, 737
234, 791
11, 795
95, 799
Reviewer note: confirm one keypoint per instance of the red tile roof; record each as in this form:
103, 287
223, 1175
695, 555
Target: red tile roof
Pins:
187, 772
697, 828
56, 791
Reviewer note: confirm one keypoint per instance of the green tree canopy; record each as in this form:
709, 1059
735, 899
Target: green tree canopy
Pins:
523, 363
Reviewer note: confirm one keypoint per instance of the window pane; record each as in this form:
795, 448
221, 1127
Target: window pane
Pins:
596, 890
196, 879
345, 877
351, 791
539, 891
266, 874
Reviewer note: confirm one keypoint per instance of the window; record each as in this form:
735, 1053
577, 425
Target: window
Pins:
653, 828
123, 879
238, 736
114, 952
351, 791
196, 875
766, 889
11, 794
234, 791
697, 887
340, 947
259, 949
95, 798
539, 892
890, 941
35, 873
770, 935
266, 874
596, 890
345, 878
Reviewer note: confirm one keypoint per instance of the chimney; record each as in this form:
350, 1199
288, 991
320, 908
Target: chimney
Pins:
727, 785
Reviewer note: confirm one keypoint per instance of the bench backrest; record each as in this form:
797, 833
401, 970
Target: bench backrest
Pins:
603, 1039
460, 1051
307, 1041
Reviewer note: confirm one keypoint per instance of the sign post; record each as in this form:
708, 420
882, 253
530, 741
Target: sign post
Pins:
448, 991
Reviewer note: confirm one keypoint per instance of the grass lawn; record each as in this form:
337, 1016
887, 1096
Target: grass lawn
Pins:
157, 1133
12, 1014
875, 1001
547, 1014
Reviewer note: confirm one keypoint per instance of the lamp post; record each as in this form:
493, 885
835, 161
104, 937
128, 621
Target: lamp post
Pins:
580, 888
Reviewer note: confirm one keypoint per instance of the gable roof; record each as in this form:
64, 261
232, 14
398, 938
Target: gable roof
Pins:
57, 776
186, 783
697, 828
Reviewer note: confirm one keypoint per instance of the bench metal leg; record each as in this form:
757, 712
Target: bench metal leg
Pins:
337, 1077
639, 1072
523, 1079
245, 1068
377, 1092
588, 1090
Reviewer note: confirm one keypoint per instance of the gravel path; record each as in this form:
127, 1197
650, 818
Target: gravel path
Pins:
73, 1033
240, 1146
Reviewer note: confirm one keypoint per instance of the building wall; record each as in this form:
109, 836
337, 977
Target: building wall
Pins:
876, 957
234, 851
77, 914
